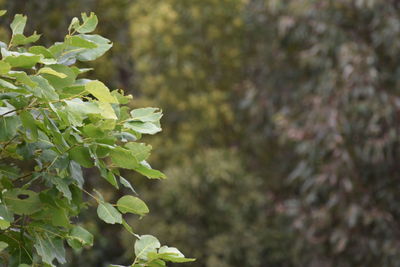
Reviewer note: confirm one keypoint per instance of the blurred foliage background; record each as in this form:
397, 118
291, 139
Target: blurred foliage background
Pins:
281, 128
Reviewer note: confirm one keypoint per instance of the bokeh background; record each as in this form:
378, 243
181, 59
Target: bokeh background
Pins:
281, 128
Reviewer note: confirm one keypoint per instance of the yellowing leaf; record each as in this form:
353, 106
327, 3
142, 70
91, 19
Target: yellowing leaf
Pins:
100, 91
50, 71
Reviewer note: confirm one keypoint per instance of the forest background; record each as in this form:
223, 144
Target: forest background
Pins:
281, 129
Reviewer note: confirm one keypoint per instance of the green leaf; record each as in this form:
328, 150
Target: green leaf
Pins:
108, 213
6, 214
107, 111
145, 169
146, 244
40, 50
140, 151
79, 237
22, 201
59, 76
6, 217
4, 67
20, 60
5, 84
82, 156
3, 12
8, 127
103, 45
4, 224
128, 228
131, 204
50, 248
50, 71
61, 185
80, 42
142, 127
29, 123
146, 114
88, 23
100, 91
76, 173
172, 254
110, 177
43, 89
123, 158
18, 24
20, 39
3, 246
22, 78
127, 184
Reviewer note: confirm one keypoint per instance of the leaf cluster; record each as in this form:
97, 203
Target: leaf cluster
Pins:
53, 123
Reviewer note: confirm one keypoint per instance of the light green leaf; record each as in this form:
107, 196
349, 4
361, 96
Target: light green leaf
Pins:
59, 76
8, 85
3, 246
18, 24
172, 254
40, 50
145, 169
80, 42
103, 45
131, 204
79, 237
146, 244
22, 78
3, 12
78, 106
107, 111
100, 91
20, 39
140, 151
88, 23
146, 114
20, 60
108, 213
143, 127
50, 71
123, 158
4, 67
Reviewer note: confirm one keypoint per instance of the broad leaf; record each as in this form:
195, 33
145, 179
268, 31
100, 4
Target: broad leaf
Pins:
79, 237
146, 244
100, 91
131, 204
18, 24
108, 213
50, 248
